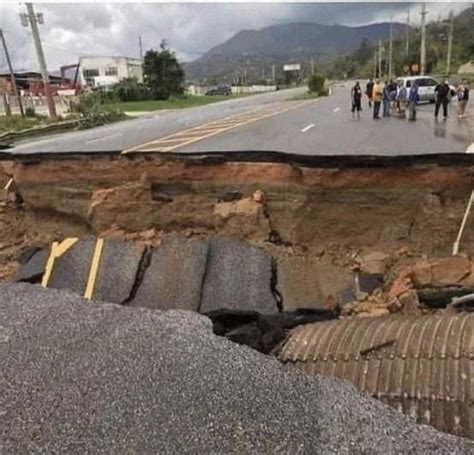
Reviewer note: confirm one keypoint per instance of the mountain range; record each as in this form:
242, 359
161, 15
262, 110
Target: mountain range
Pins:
251, 50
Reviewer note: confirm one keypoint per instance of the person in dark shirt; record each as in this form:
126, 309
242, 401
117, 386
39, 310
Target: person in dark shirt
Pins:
463, 98
442, 92
413, 99
368, 90
356, 99
386, 99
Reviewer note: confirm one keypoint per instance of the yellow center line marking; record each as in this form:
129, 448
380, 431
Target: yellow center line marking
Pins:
94, 269
57, 250
213, 128
271, 114
146, 144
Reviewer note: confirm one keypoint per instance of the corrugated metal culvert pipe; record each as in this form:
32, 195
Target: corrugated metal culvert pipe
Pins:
423, 366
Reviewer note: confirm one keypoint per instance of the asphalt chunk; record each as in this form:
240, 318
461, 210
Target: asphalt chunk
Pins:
83, 377
33, 267
117, 271
174, 277
238, 277
71, 270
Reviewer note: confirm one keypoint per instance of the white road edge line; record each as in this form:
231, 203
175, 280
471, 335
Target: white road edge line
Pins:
337, 109
103, 138
470, 149
307, 128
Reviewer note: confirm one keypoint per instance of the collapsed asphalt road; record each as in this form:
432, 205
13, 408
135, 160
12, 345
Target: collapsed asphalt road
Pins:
85, 377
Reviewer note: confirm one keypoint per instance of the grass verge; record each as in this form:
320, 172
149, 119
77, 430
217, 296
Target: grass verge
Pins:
305, 96
16, 123
173, 103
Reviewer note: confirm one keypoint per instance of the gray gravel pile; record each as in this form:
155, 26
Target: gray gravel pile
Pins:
81, 377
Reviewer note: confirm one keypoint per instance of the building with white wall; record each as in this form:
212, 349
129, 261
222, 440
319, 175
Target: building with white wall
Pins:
107, 71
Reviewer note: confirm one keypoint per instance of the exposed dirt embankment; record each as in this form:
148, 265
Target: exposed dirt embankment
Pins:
320, 215
312, 204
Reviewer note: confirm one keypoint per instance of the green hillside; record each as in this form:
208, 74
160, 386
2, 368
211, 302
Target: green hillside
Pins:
361, 62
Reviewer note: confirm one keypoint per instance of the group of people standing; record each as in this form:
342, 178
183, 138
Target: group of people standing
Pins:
395, 97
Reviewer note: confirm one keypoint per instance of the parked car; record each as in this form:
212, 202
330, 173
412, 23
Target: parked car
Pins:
426, 86
220, 90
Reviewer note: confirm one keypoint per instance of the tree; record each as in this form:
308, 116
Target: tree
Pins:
130, 89
364, 53
163, 74
316, 84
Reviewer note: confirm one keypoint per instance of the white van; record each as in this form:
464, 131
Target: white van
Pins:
426, 86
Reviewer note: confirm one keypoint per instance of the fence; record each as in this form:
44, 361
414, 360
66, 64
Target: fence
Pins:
37, 104
236, 89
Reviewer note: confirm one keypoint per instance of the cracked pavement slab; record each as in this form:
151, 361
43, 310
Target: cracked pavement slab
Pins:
173, 278
83, 377
238, 276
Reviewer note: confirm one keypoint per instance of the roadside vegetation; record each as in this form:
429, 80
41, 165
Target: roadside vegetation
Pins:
177, 102
317, 86
360, 63
17, 123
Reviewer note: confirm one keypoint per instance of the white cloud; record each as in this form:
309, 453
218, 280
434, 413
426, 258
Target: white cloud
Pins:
75, 29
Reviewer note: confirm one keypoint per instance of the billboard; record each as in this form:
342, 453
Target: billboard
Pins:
292, 67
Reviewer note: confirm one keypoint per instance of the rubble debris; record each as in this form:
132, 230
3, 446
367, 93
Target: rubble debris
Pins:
306, 283
464, 303
410, 303
421, 365
141, 381
7, 269
244, 216
369, 282
373, 263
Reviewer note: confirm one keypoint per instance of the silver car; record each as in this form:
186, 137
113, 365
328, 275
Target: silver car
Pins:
426, 86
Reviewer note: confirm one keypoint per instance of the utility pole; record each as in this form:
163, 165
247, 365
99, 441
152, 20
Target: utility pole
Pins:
423, 39
140, 47
407, 42
12, 74
375, 63
312, 66
33, 20
380, 59
273, 74
450, 42
390, 49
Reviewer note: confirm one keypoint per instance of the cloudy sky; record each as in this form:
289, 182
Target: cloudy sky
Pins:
74, 29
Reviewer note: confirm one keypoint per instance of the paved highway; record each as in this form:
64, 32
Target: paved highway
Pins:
129, 133
272, 122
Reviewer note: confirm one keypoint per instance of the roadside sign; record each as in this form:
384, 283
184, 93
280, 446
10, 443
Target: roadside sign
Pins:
415, 68
292, 67
406, 68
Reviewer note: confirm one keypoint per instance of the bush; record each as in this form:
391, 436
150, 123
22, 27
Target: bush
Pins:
316, 84
30, 112
131, 90
96, 108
